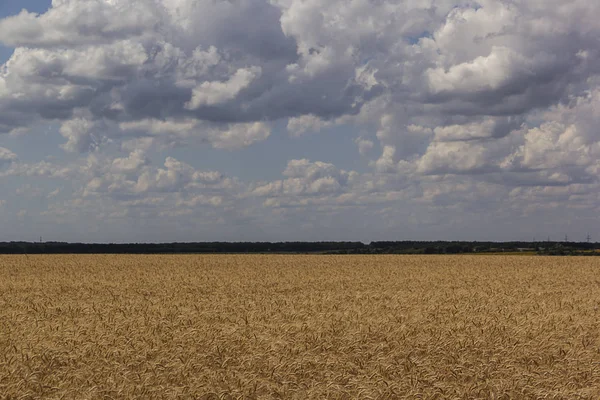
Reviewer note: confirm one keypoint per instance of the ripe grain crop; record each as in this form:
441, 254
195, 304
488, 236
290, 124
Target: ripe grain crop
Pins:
299, 327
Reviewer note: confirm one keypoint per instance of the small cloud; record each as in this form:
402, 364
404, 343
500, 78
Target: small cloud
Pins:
364, 145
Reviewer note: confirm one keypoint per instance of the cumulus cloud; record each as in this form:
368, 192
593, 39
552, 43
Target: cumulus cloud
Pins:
211, 93
81, 134
6, 156
305, 181
133, 176
454, 157
386, 163
173, 132
237, 136
298, 126
68, 22
7, 159
131, 163
364, 145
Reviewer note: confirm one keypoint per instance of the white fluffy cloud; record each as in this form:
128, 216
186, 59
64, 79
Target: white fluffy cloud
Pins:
6, 157
212, 93
68, 23
298, 126
306, 182
133, 175
223, 136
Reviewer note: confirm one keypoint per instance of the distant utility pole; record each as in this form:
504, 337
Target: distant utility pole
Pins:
589, 238
566, 238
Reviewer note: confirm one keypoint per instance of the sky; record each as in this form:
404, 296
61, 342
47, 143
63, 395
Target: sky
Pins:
284, 120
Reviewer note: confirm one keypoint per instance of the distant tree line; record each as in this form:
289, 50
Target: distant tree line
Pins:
463, 247
170, 248
401, 247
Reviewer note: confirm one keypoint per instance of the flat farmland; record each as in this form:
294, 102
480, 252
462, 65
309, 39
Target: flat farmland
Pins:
299, 327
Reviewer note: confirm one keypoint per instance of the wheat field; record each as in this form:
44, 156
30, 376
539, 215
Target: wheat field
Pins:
299, 327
